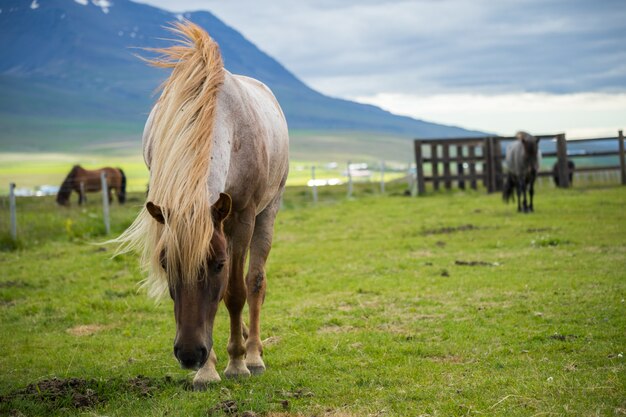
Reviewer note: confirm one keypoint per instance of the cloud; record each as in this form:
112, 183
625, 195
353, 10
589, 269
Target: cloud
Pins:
578, 115
449, 46
500, 66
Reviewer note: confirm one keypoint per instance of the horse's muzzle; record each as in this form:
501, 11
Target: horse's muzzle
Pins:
191, 358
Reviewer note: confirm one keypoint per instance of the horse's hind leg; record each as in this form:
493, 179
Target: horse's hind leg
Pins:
239, 227
518, 188
256, 283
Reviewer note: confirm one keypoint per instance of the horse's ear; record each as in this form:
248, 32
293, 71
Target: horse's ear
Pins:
156, 212
221, 208
521, 137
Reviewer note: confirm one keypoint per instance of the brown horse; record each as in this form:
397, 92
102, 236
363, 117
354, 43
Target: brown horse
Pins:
217, 147
91, 182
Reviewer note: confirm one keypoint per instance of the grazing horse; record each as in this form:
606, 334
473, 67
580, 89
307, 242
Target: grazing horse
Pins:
91, 182
522, 159
217, 146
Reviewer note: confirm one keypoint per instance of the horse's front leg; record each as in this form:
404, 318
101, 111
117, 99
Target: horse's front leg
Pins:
256, 283
239, 230
524, 187
518, 188
207, 374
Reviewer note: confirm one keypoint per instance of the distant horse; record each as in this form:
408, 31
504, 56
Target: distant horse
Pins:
570, 172
216, 145
91, 181
523, 160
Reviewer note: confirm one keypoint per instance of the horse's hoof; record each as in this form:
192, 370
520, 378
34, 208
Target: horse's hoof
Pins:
255, 364
203, 385
256, 370
204, 378
236, 370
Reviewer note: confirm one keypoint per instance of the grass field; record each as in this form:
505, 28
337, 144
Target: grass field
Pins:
449, 304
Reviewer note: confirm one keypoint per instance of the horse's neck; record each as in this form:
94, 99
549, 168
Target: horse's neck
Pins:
221, 151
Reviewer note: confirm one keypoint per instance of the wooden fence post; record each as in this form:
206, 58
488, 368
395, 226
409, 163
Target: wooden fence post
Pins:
622, 157
105, 202
434, 163
13, 210
382, 177
561, 152
419, 168
314, 184
472, 166
460, 169
349, 180
497, 164
488, 154
446, 166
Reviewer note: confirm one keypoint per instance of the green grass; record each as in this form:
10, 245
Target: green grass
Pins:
371, 310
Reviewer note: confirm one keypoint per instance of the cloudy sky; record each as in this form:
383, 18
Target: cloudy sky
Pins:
541, 65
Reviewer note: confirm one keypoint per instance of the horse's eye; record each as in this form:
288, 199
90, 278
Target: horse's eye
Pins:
219, 266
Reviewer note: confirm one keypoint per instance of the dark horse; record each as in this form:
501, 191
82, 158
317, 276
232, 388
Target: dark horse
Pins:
523, 160
91, 182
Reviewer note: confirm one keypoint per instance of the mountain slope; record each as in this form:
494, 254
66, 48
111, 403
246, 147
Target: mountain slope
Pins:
74, 59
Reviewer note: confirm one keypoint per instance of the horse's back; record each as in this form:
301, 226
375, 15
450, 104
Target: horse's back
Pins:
259, 152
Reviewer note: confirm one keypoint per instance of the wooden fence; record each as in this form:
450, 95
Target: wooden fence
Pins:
473, 160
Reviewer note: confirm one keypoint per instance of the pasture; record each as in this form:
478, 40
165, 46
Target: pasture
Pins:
450, 304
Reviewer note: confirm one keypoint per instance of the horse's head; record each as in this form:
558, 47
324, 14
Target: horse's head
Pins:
531, 148
196, 300
63, 198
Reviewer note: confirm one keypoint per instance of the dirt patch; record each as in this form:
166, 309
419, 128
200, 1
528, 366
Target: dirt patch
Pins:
447, 359
334, 329
475, 263
14, 284
450, 229
297, 393
73, 392
77, 393
143, 386
563, 337
86, 329
271, 341
226, 406
539, 229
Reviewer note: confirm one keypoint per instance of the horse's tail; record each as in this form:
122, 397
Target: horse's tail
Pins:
507, 190
63, 195
121, 196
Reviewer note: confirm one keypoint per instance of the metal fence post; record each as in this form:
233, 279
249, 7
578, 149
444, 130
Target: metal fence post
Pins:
314, 184
349, 180
105, 202
622, 157
13, 211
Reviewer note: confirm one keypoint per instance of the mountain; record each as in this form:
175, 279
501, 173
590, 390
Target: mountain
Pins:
75, 60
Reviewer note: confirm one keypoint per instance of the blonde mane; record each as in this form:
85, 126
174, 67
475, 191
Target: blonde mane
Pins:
179, 169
